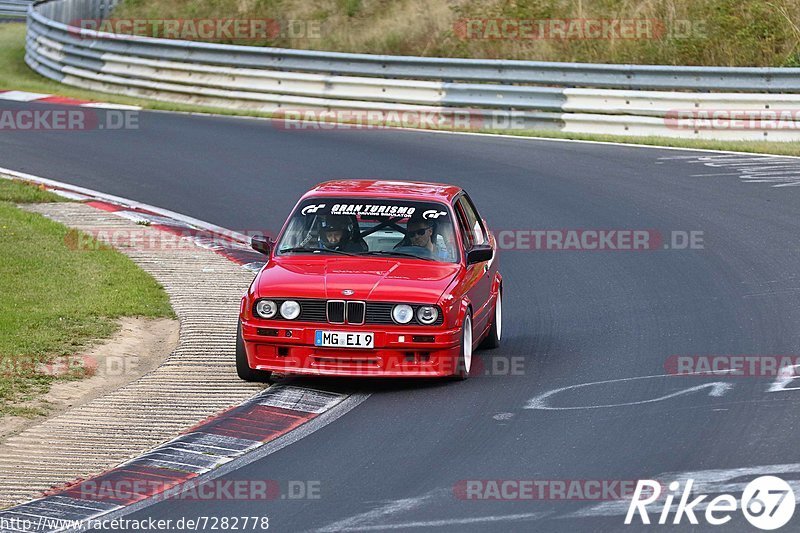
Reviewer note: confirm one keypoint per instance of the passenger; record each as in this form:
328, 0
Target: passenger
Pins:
421, 233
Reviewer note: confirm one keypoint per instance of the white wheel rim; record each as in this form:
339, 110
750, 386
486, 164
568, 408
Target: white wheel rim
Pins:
498, 316
467, 344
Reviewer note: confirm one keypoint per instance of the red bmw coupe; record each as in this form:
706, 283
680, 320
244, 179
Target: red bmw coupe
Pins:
373, 278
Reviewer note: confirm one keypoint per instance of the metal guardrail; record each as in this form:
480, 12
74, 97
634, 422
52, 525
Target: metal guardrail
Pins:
14, 8
615, 99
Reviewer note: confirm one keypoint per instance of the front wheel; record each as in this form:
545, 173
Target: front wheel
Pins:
492, 339
242, 366
464, 364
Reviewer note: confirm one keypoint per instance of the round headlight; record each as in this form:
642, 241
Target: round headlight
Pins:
427, 315
290, 309
266, 308
402, 314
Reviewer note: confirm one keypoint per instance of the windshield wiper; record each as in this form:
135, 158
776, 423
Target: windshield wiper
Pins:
404, 254
300, 249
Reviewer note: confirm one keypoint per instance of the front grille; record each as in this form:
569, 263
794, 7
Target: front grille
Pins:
312, 311
355, 312
379, 313
336, 311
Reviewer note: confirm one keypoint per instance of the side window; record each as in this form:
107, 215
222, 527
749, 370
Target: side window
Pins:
474, 225
463, 226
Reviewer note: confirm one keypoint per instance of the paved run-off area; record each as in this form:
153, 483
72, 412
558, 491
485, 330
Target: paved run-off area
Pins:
196, 381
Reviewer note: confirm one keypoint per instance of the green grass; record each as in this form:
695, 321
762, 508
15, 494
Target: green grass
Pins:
23, 193
756, 147
15, 74
55, 300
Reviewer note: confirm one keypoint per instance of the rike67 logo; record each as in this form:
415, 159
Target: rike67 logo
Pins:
767, 503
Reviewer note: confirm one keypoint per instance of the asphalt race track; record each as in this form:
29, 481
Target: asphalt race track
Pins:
571, 317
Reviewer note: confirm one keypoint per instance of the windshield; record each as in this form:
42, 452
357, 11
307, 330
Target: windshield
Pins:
370, 227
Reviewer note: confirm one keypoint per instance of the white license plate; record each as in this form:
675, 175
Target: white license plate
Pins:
344, 339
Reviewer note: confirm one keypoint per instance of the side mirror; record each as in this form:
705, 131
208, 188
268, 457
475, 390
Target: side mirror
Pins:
479, 254
261, 244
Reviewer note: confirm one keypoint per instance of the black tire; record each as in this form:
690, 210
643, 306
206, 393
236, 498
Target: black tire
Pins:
242, 367
463, 366
492, 339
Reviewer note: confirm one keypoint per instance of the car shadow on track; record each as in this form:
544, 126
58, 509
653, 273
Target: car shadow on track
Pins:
484, 365
363, 385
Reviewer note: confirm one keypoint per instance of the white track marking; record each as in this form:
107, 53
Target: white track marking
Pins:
22, 96
714, 175
540, 402
359, 521
786, 375
300, 399
71, 195
780, 171
771, 172
96, 195
121, 107
453, 521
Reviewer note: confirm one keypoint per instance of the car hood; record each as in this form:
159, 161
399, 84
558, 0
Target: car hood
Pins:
379, 279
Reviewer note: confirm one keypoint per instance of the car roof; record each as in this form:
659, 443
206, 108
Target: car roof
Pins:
412, 190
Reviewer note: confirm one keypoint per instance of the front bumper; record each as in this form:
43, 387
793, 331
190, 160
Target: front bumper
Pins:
412, 351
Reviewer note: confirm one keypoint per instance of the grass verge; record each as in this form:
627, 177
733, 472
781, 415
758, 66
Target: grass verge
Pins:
54, 300
15, 74
676, 32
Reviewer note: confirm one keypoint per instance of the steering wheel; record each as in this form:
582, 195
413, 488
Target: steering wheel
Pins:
415, 250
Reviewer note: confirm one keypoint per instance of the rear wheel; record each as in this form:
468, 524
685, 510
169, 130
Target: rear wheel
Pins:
464, 364
492, 339
242, 366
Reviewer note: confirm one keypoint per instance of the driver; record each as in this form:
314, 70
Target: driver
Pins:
336, 233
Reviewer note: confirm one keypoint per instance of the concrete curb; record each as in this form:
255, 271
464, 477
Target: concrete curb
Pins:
175, 469
194, 382
201, 269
